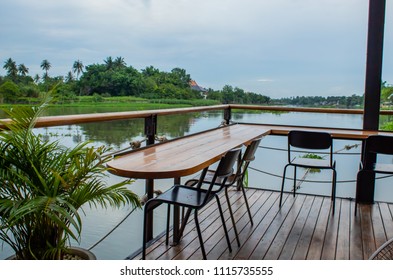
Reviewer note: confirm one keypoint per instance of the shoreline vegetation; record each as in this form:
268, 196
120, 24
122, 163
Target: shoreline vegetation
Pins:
100, 82
136, 103
113, 83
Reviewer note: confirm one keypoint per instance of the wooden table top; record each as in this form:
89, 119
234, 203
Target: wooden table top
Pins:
184, 156
336, 133
188, 155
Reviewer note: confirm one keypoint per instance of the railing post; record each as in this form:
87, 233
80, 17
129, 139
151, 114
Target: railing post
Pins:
227, 115
150, 132
150, 129
372, 94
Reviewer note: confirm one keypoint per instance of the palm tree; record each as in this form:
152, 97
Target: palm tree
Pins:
78, 68
119, 62
23, 70
10, 66
37, 78
69, 77
150, 71
109, 62
45, 65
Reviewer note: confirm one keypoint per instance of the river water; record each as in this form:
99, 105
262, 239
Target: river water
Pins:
270, 160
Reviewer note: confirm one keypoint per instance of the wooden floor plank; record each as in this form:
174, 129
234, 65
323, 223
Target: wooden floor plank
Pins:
368, 240
318, 239
210, 226
330, 242
378, 228
251, 235
355, 236
243, 224
280, 239
269, 236
344, 227
262, 221
387, 219
304, 242
296, 231
304, 228
215, 246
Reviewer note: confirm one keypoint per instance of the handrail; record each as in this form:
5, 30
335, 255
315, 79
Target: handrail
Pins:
100, 117
305, 109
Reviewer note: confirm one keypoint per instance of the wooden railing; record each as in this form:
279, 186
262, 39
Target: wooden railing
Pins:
101, 117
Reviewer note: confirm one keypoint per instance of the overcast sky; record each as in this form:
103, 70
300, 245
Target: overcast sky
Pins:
274, 47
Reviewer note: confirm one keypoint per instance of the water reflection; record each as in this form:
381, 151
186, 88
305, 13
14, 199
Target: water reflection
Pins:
118, 134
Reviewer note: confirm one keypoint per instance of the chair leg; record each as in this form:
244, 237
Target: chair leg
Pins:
334, 184
294, 181
282, 183
167, 224
145, 212
248, 207
199, 234
184, 222
231, 214
223, 223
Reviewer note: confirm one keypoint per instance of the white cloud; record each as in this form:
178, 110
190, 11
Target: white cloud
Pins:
303, 44
265, 80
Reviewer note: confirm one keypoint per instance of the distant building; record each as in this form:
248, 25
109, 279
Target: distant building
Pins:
201, 90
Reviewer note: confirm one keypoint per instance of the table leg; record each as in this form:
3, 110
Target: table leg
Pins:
149, 187
176, 219
365, 185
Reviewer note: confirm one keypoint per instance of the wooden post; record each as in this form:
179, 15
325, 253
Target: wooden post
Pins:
372, 95
227, 115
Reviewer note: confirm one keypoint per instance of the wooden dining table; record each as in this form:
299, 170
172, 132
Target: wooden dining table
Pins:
182, 157
190, 154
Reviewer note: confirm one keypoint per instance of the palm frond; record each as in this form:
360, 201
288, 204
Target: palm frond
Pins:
45, 185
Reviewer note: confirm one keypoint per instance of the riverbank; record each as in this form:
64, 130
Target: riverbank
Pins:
99, 104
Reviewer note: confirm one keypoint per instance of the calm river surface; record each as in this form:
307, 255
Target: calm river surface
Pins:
127, 237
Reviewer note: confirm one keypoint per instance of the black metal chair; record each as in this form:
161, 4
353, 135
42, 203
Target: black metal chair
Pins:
310, 141
236, 179
194, 198
374, 145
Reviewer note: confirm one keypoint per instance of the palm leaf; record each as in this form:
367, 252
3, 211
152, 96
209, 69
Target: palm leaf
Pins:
44, 185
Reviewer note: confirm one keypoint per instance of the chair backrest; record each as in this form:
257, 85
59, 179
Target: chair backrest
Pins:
225, 167
376, 144
311, 140
379, 144
249, 154
223, 170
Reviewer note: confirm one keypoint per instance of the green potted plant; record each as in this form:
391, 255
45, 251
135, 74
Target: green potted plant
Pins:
44, 185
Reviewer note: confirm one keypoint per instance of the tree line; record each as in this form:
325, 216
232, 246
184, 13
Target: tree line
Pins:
322, 101
352, 101
113, 77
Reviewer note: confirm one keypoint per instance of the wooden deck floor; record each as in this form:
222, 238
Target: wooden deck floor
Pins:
303, 229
